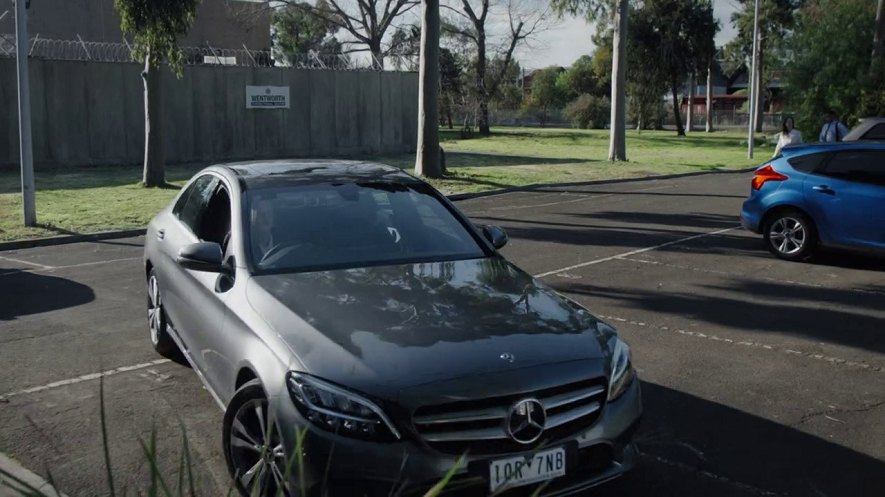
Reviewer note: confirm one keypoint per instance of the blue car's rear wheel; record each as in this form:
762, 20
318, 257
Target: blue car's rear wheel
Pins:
790, 235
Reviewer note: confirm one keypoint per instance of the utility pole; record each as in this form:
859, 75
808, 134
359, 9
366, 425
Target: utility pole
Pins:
752, 82
26, 151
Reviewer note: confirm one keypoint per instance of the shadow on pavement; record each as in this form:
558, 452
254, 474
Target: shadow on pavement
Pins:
24, 293
762, 307
695, 447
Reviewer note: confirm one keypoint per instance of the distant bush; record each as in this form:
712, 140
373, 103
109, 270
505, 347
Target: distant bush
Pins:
587, 111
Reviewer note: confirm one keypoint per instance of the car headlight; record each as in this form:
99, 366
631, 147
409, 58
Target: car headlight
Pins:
340, 411
622, 369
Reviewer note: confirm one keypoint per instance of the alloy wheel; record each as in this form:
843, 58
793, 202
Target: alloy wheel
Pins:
787, 235
257, 452
154, 310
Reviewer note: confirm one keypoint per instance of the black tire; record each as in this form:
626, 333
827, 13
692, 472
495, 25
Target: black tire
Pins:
242, 415
157, 322
790, 235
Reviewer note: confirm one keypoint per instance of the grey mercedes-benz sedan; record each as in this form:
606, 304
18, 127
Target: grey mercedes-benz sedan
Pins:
362, 336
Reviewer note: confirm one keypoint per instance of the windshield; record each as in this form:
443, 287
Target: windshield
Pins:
334, 225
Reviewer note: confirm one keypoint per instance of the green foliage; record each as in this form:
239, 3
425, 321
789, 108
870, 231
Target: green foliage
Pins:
545, 93
669, 39
581, 78
155, 26
591, 10
776, 19
831, 59
297, 29
588, 111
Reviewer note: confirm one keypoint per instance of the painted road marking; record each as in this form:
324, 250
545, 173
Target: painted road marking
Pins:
28, 263
750, 343
81, 379
713, 476
40, 268
581, 198
638, 251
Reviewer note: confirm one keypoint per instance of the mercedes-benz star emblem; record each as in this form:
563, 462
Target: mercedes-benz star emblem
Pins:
526, 420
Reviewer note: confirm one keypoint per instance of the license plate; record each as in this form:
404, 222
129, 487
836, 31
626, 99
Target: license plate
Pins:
523, 470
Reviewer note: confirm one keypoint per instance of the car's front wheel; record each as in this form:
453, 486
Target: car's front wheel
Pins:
157, 323
790, 235
253, 446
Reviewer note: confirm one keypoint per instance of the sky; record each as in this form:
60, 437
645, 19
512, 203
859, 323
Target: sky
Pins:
570, 39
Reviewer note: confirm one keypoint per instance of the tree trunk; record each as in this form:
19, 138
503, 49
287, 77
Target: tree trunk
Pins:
759, 71
377, 55
153, 174
617, 149
878, 58
677, 114
483, 112
709, 108
427, 161
689, 114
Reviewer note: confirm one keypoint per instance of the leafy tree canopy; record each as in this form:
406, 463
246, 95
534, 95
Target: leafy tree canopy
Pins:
298, 30
155, 26
831, 59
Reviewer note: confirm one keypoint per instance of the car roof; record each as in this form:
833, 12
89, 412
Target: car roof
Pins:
281, 173
810, 148
865, 125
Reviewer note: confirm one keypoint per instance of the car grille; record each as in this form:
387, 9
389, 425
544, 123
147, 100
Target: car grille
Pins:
478, 426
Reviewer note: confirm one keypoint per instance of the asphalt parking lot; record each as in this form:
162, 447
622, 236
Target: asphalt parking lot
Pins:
759, 377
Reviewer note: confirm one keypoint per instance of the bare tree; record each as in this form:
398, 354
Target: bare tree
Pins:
427, 161
368, 22
471, 25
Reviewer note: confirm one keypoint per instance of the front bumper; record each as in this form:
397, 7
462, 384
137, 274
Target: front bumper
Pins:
339, 465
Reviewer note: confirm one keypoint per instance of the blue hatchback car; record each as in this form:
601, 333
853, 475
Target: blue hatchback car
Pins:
821, 195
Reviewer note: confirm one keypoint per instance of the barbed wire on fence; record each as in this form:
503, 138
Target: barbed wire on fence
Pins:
78, 50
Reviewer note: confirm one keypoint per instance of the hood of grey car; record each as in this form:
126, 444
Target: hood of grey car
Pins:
391, 327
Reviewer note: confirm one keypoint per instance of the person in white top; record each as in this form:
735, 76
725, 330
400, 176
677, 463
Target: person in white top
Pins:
789, 135
832, 130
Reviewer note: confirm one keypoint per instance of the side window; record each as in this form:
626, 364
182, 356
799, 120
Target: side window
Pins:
214, 224
867, 166
877, 132
192, 204
806, 163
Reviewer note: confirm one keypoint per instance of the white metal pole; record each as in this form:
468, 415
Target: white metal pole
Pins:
751, 127
26, 152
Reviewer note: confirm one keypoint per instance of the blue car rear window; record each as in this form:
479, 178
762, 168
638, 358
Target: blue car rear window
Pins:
807, 163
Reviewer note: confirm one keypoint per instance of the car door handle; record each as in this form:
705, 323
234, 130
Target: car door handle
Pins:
822, 189
161, 234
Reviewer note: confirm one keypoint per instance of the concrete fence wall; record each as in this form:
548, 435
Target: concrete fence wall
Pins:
92, 113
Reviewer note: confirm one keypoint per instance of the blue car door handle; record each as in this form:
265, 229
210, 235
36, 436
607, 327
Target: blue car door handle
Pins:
822, 189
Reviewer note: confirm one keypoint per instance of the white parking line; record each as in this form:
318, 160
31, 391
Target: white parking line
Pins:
581, 199
634, 252
747, 343
28, 263
723, 479
40, 267
81, 379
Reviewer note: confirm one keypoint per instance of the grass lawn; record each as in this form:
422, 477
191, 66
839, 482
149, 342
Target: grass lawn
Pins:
92, 199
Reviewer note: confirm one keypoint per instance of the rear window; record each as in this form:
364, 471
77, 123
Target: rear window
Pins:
338, 225
807, 163
877, 132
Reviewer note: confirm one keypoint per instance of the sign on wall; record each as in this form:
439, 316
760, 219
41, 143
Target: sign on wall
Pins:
267, 97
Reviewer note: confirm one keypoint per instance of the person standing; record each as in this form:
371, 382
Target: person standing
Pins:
789, 135
833, 130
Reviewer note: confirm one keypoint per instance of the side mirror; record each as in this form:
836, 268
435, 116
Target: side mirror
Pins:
495, 235
202, 256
